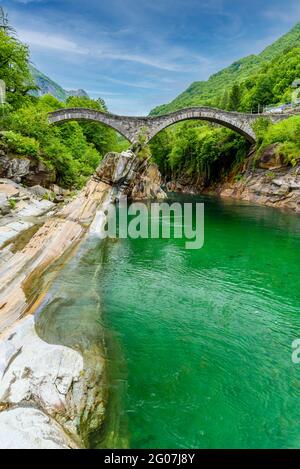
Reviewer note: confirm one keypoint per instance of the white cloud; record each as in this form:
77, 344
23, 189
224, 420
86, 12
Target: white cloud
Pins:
28, 1
104, 93
132, 84
50, 41
177, 59
160, 63
287, 14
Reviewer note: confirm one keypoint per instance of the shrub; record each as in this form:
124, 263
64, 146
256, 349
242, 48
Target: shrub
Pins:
195, 148
64, 148
21, 145
286, 134
12, 203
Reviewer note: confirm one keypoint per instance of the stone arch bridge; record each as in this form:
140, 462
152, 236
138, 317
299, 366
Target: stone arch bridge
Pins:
132, 127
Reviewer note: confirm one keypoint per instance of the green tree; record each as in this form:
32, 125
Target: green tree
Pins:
14, 68
72, 150
224, 102
198, 150
161, 146
4, 23
63, 148
285, 134
102, 137
234, 98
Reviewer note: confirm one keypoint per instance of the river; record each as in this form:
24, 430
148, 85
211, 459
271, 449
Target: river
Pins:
198, 341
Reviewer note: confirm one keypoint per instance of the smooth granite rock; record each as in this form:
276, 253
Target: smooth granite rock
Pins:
53, 380
30, 428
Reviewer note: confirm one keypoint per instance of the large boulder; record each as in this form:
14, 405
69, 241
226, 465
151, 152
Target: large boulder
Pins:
10, 188
40, 192
270, 159
26, 170
4, 204
136, 177
57, 190
40, 174
14, 168
30, 428
147, 184
116, 168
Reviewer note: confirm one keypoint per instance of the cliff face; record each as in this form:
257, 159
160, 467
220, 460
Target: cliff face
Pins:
279, 188
265, 181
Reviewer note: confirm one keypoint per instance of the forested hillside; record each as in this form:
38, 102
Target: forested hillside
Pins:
201, 150
244, 72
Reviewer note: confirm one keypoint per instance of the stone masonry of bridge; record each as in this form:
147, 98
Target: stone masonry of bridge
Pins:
133, 127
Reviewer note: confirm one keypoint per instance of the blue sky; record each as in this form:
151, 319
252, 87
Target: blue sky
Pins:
137, 54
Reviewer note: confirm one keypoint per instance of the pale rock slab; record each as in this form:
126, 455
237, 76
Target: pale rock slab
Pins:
37, 375
29, 428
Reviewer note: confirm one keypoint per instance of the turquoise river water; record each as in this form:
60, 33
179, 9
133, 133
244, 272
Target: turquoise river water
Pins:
198, 341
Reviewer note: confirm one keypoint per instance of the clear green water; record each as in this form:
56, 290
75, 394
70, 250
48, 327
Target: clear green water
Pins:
199, 342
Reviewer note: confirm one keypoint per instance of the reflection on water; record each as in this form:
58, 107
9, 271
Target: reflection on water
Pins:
199, 342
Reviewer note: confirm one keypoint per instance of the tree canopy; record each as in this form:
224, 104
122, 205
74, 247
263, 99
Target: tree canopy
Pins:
73, 150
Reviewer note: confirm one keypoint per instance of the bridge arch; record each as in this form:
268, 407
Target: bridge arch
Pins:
86, 114
238, 122
132, 127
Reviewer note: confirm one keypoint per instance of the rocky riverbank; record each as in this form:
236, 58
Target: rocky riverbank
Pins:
263, 179
23, 169
275, 188
50, 395
21, 209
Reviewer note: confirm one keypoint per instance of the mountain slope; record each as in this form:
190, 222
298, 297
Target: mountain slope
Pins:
48, 86
210, 91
